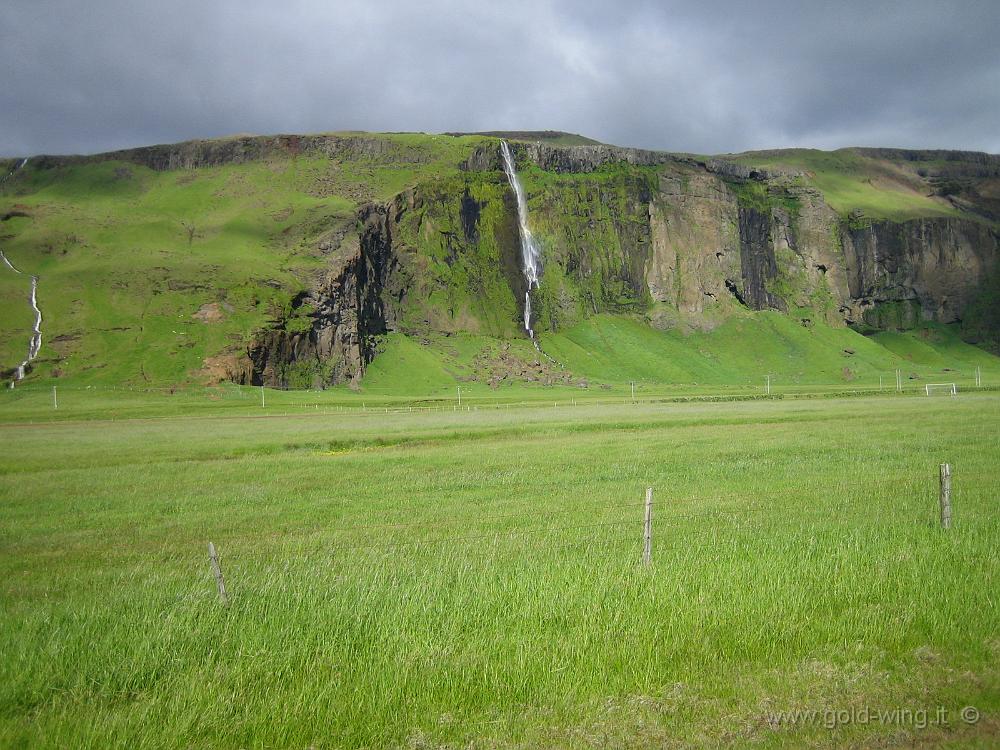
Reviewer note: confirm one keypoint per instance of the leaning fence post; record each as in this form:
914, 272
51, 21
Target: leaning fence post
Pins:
946, 496
647, 531
213, 558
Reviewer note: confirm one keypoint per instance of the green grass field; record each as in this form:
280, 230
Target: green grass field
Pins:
473, 579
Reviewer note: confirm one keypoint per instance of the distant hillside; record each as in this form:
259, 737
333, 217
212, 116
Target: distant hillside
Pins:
894, 183
337, 258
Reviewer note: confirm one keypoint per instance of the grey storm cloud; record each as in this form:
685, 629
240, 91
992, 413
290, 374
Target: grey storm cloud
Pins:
703, 77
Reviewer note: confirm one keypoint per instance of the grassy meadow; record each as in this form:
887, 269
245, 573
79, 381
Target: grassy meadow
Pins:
472, 578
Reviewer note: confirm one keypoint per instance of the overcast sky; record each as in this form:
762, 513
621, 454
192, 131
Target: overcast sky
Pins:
81, 76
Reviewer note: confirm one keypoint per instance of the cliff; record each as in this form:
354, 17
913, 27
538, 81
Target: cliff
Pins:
680, 241
358, 235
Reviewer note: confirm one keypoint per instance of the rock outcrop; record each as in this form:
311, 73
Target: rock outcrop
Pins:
900, 274
758, 265
346, 312
683, 241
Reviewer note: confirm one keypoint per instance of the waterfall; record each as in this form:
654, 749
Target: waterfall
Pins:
35, 344
14, 171
7, 262
531, 255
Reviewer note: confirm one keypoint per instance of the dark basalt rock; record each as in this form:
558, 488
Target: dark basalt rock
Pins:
349, 311
936, 265
757, 261
470, 216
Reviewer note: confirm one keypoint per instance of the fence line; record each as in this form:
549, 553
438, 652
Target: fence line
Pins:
812, 515
625, 388
634, 537
225, 396
527, 511
745, 514
584, 505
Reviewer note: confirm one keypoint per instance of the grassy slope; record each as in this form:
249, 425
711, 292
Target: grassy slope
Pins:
850, 181
745, 349
109, 243
18, 318
108, 257
614, 350
797, 564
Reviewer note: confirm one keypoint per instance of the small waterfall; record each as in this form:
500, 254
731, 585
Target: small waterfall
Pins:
35, 344
7, 262
531, 255
14, 171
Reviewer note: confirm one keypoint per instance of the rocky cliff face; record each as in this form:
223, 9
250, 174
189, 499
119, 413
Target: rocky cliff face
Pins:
920, 270
693, 272
683, 241
344, 313
444, 257
758, 265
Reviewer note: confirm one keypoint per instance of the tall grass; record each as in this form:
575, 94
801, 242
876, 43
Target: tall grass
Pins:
473, 578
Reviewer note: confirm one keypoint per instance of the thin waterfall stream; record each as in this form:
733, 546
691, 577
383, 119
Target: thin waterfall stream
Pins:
15, 170
531, 254
35, 343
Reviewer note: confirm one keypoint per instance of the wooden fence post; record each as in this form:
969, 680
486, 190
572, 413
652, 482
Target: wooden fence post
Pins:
946, 496
647, 532
213, 558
